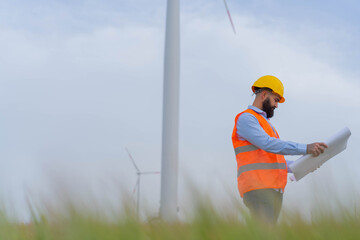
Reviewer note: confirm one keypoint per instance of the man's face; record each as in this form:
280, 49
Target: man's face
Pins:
270, 103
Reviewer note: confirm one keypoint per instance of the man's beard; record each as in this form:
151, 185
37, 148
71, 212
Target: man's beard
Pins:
268, 108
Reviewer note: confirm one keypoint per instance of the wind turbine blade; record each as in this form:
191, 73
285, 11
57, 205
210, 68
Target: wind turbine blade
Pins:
228, 12
132, 160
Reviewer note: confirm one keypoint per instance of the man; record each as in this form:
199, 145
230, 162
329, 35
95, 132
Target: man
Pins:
262, 169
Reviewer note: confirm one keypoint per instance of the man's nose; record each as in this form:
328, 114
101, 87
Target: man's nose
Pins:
276, 104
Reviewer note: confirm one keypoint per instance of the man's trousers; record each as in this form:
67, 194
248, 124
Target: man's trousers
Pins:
264, 204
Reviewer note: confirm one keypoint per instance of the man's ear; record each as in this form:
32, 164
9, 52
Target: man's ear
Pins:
264, 95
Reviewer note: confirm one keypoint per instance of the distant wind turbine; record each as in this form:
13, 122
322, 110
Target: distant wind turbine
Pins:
137, 185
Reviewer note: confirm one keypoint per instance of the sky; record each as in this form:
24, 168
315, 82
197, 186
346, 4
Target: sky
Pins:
81, 81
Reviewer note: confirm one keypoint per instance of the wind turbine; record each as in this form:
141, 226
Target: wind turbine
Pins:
170, 125
137, 185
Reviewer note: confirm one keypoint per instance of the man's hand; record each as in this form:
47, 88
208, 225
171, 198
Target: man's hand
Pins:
316, 148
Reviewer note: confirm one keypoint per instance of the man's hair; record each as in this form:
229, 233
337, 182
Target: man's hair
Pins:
259, 90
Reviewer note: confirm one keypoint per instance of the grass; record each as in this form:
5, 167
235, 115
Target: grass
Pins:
205, 223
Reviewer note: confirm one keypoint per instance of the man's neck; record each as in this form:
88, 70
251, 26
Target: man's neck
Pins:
257, 104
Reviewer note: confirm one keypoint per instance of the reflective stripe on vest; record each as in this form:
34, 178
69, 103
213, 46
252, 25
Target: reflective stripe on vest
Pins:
246, 148
260, 166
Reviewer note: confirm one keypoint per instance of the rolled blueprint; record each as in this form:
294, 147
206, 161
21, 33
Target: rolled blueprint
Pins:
307, 163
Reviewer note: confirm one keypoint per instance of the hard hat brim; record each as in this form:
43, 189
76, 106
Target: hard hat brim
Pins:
282, 99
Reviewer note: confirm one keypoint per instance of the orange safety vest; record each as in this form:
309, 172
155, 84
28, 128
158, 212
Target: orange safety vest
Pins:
256, 168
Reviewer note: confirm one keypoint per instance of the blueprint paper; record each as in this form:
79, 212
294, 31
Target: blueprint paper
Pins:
307, 163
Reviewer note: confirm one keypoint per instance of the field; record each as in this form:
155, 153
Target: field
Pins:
73, 223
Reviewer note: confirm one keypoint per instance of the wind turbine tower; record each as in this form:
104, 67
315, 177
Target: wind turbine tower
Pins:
170, 128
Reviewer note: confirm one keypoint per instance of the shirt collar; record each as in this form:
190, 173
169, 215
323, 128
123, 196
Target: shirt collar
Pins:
258, 110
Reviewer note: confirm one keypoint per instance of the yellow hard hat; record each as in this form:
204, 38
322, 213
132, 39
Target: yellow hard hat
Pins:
271, 82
